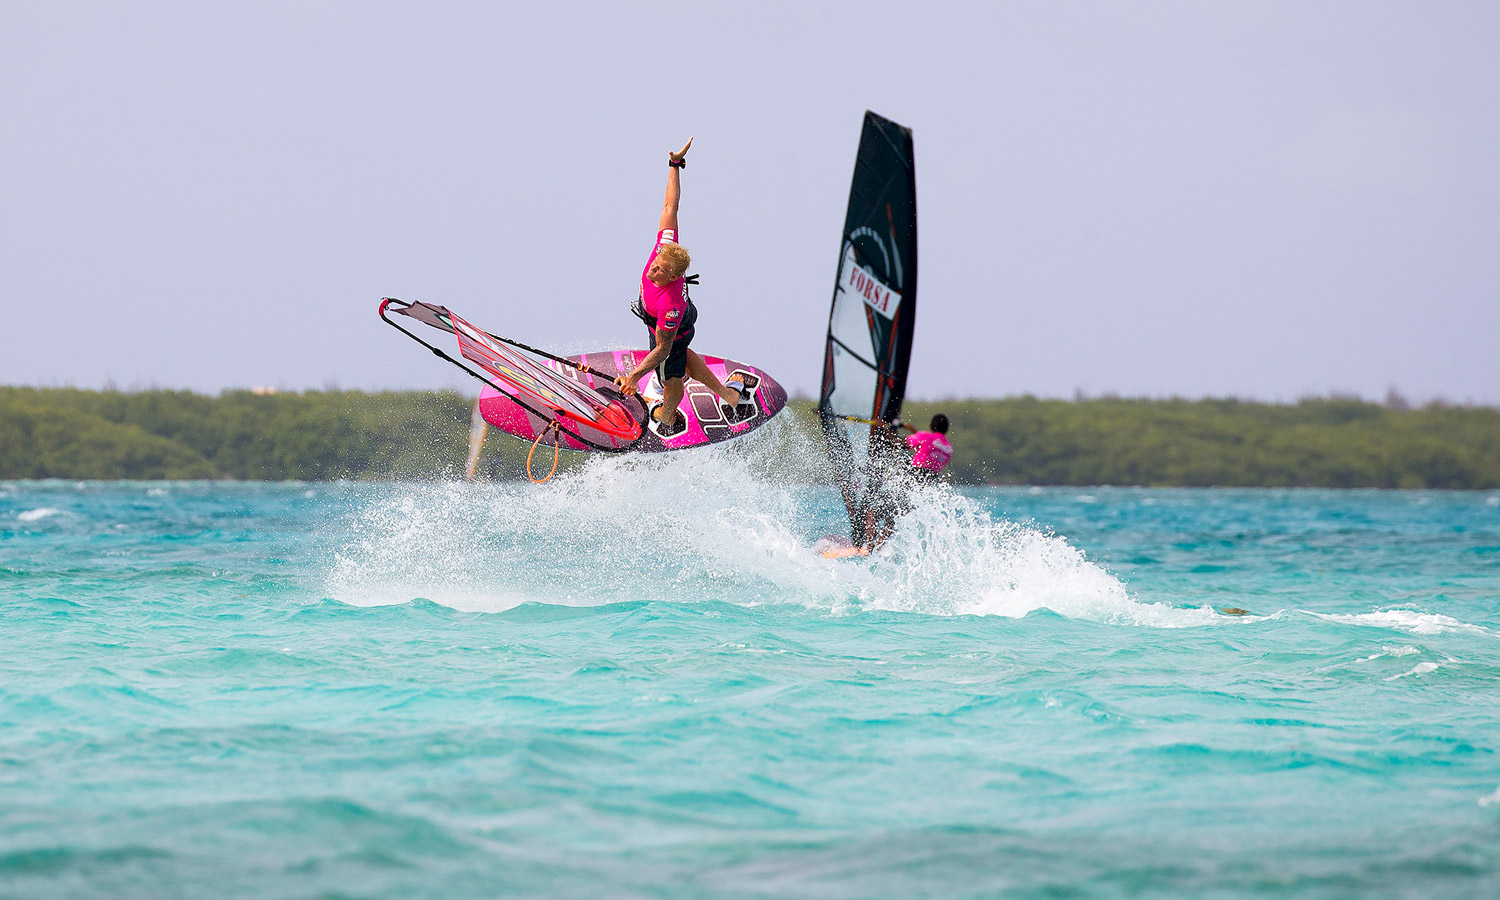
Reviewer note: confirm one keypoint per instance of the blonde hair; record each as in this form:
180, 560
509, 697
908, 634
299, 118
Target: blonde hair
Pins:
675, 258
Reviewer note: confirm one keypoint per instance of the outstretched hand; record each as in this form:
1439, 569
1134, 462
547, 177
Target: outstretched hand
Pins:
683, 152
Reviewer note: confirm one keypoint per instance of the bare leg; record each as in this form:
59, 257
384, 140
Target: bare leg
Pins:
671, 395
700, 371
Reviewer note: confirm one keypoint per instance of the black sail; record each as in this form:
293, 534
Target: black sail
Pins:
874, 312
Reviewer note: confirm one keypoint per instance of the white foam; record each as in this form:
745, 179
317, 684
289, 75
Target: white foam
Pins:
1389, 651
36, 515
1491, 800
1406, 620
1421, 668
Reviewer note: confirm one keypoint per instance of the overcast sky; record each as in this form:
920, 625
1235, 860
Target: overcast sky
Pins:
1261, 199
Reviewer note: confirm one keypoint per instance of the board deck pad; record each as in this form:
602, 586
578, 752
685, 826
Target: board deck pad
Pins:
708, 419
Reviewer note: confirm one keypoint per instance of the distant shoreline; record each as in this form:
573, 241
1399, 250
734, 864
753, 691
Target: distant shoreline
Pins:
74, 434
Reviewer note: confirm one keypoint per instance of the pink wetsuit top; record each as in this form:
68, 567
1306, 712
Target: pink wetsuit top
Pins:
933, 451
662, 307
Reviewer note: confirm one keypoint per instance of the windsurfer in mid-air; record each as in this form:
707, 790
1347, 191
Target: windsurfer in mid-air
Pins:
663, 304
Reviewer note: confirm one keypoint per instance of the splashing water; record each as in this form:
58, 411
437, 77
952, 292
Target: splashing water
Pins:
735, 524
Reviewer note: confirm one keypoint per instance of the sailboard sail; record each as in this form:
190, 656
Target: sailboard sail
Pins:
597, 416
870, 325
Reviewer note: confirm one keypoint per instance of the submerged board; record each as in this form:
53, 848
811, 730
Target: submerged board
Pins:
836, 546
708, 419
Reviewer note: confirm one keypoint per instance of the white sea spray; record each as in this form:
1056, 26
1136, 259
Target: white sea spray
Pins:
734, 523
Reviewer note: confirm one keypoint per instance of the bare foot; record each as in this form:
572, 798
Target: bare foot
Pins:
667, 424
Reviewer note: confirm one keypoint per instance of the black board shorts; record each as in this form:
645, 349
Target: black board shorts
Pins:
675, 365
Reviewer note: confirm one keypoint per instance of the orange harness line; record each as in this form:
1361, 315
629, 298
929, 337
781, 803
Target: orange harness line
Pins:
556, 449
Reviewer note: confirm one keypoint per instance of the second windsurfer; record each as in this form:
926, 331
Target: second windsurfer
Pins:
931, 451
663, 304
891, 499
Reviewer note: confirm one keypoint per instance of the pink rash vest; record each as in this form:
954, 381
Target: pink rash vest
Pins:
662, 307
933, 451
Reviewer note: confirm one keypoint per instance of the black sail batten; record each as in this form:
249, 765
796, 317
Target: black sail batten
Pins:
854, 353
873, 315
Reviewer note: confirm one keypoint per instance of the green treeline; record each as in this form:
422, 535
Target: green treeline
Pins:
316, 435
66, 433
1321, 442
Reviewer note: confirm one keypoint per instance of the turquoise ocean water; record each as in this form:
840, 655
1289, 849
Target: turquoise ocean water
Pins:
638, 681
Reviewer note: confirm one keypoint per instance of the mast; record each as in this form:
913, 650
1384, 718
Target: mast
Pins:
871, 319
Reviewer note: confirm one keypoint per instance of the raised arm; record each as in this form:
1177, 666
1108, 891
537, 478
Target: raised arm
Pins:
674, 189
